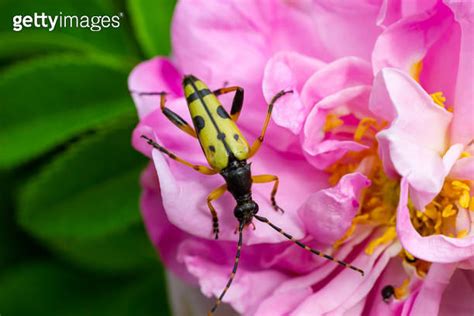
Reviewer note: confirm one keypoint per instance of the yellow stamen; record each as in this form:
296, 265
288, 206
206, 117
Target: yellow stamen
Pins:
448, 211
408, 255
458, 185
471, 205
465, 199
363, 126
462, 233
359, 219
439, 99
389, 235
402, 290
431, 212
332, 122
415, 70
465, 154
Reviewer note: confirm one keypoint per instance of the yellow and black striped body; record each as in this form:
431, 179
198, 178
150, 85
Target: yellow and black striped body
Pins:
220, 139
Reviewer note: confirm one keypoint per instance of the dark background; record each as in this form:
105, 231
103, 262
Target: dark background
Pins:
72, 241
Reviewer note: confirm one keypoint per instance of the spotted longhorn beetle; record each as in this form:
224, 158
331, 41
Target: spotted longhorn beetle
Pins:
226, 151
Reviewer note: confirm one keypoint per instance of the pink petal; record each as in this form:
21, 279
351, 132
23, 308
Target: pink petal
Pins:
393, 10
324, 154
248, 288
463, 169
288, 71
231, 41
435, 248
343, 73
457, 297
360, 295
416, 140
296, 289
428, 299
328, 213
155, 75
406, 42
462, 128
394, 274
347, 288
164, 236
353, 28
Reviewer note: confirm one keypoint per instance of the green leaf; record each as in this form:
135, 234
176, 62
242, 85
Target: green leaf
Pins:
47, 101
84, 205
41, 288
28, 41
90, 191
121, 252
151, 21
12, 242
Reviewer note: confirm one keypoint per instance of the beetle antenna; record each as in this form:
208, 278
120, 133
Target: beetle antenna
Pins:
305, 247
234, 270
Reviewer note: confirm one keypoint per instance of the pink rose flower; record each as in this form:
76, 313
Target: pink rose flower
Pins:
338, 155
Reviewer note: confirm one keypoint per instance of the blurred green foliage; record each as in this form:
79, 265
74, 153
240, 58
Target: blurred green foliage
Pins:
72, 241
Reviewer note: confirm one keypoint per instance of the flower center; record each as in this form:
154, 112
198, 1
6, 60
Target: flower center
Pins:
379, 201
439, 216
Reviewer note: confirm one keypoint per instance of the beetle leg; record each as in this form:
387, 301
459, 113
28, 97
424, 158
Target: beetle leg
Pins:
198, 168
214, 195
170, 115
256, 145
266, 178
237, 102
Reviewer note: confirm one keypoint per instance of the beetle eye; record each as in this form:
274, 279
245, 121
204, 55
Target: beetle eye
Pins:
238, 212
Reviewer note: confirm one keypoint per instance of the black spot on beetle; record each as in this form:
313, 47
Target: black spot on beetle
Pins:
199, 123
212, 148
222, 113
221, 136
236, 136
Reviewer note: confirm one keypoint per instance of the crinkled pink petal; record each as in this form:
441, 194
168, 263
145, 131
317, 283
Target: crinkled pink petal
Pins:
464, 221
463, 169
231, 41
441, 62
360, 294
322, 155
296, 289
343, 73
428, 300
248, 288
163, 235
462, 130
346, 289
292, 259
154, 75
288, 71
352, 26
328, 213
417, 138
355, 98
239, 36
434, 248
393, 10
457, 297
407, 41
394, 274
